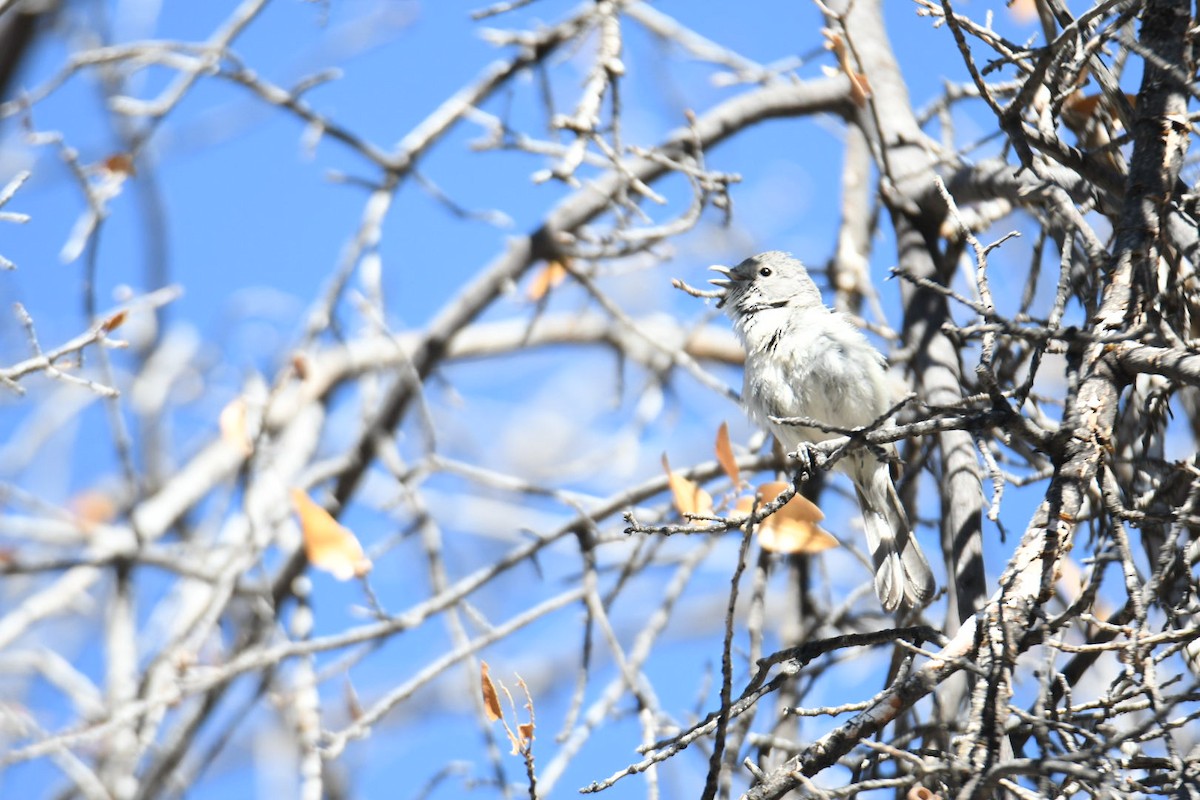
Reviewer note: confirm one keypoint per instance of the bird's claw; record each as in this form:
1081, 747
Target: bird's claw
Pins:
808, 460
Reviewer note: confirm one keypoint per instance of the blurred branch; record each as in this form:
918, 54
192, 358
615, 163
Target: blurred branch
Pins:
98, 334
543, 243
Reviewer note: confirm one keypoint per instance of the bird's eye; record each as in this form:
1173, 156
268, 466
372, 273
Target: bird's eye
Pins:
765, 272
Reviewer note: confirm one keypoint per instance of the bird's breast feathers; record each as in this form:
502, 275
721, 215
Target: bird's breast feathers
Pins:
819, 367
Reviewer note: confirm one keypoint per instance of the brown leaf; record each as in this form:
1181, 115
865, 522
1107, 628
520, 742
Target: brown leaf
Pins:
115, 321
234, 430
725, 455
354, 709
793, 528
522, 740
327, 544
689, 497
491, 700
525, 732
300, 365
120, 164
921, 793
1079, 109
546, 279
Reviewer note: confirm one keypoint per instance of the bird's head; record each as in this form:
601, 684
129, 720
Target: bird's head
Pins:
768, 280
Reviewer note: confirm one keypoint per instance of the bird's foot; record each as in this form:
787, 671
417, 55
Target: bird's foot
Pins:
808, 460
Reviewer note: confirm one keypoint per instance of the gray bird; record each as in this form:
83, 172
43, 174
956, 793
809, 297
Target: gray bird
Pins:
806, 360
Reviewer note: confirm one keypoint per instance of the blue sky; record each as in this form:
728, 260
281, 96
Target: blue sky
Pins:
246, 206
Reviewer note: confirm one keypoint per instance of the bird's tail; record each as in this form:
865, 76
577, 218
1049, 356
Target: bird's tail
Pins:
902, 575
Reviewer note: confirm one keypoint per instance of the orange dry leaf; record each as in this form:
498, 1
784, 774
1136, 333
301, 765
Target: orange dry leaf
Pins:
725, 455
93, 507
859, 89
799, 507
328, 545
523, 737
1024, 10
793, 528
1079, 110
522, 740
835, 43
491, 700
234, 431
689, 497
547, 278
525, 732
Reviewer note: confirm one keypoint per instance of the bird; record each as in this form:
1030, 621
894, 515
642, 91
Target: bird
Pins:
803, 359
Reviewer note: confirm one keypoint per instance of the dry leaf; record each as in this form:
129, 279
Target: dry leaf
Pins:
91, 508
921, 793
725, 455
793, 528
1079, 109
689, 497
114, 322
120, 164
790, 536
328, 545
300, 365
234, 430
1024, 10
522, 740
835, 43
354, 709
523, 737
491, 700
546, 279
860, 90
799, 507
525, 733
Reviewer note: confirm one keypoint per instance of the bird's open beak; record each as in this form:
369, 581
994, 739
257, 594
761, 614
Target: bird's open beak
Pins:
723, 283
